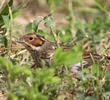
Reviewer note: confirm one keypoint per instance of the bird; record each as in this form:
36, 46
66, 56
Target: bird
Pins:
41, 48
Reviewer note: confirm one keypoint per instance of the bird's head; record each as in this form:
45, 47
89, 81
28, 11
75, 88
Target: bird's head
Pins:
32, 40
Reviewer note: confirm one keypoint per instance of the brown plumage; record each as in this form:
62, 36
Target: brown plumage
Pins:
41, 48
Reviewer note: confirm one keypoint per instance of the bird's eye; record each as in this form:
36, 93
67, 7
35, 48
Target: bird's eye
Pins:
31, 38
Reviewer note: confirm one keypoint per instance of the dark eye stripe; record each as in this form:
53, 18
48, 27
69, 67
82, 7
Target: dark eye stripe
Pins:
40, 38
42, 41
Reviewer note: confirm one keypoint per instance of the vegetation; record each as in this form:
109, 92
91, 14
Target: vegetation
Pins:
88, 26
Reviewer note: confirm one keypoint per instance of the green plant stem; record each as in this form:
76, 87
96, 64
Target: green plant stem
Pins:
10, 30
9, 81
101, 7
54, 35
70, 8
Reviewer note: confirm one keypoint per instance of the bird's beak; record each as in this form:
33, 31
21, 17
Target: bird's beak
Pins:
21, 40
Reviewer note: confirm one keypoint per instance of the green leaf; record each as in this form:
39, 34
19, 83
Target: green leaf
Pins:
3, 41
45, 77
94, 68
33, 26
67, 57
16, 12
101, 6
18, 70
6, 65
80, 75
107, 75
46, 35
6, 21
106, 95
55, 79
27, 72
80, 96
29, 28
12, 96
90, 98
41, 97
36, 23
49, 22
5, 11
